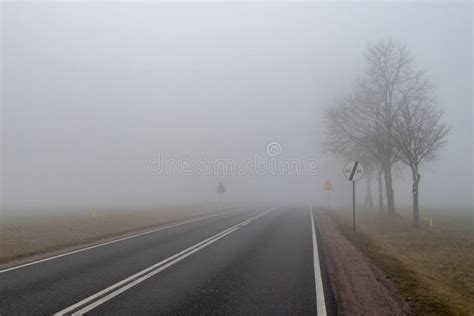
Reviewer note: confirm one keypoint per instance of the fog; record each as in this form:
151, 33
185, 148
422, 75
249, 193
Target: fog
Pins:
94, 93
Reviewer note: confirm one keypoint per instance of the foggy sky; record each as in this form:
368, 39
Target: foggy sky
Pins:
92, 91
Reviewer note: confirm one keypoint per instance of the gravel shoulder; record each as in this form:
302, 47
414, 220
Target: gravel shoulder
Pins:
358, 286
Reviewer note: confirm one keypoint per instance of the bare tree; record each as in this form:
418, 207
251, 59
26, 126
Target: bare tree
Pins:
369, 172
389, 75
345, 140
418, 133
412, 129
380, 187
354, 129
390, 117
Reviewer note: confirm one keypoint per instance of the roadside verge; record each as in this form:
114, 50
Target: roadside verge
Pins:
358, 286
54, 240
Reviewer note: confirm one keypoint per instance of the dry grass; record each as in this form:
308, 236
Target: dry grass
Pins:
432, 267
28, 235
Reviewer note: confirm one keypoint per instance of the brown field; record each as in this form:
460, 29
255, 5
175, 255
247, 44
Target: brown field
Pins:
26, 237
431, 266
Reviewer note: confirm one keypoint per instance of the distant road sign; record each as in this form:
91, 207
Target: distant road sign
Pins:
353, 171
220, 188
327, 186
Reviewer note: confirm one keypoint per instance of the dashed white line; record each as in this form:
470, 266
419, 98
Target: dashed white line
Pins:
320, 302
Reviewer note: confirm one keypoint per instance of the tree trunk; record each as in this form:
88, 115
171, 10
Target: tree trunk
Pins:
416, 181
387, 171
369, 202
380, 185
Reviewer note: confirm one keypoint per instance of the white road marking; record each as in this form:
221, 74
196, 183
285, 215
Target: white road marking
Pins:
136, 275
115, 240
146, 276
112, 291
320, 302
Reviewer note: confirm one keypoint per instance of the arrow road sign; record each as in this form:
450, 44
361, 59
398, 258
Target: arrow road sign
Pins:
353, 171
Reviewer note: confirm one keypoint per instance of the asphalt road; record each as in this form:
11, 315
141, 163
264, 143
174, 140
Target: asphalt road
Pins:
243, 262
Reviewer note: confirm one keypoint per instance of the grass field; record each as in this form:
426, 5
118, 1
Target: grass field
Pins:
35, 233
432, 266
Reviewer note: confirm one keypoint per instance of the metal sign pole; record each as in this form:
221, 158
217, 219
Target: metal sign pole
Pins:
353, 171
353, 207
329, 204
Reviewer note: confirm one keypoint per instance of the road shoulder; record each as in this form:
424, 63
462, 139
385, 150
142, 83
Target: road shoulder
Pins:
358, 286
60, 247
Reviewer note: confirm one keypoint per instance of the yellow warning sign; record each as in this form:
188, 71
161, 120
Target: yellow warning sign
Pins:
327, 186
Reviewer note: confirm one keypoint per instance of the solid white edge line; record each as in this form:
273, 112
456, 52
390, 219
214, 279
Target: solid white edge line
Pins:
114, 241
320, 301
158, 267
